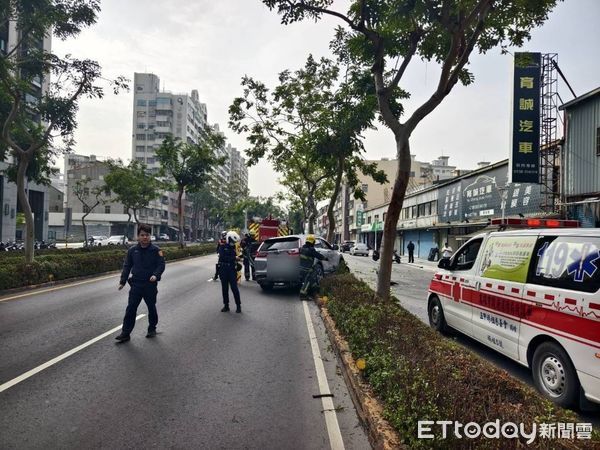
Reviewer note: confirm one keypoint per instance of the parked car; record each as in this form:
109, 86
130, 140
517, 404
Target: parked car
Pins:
115, 240
96, 240
532, 295
346, 246
152, 238
360, 249
164, 237
277, 260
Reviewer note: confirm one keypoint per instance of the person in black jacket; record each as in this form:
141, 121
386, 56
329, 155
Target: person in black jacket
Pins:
308, 260
228, 271
219, 243
146, 264
247, 246
411, 251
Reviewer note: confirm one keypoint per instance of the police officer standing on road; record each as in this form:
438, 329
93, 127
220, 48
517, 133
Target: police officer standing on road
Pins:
308, 260
247, 243
228, 271
411, 251
219, 243
146, 263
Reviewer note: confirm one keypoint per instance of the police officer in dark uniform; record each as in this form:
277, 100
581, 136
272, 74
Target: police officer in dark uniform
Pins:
219, 243
228, 271
308, 259
146, 264
247, 245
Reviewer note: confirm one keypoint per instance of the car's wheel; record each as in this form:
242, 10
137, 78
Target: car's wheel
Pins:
554, 374
436, 315
266, 286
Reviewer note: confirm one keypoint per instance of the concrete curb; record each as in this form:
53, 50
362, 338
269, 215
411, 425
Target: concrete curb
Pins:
370, 410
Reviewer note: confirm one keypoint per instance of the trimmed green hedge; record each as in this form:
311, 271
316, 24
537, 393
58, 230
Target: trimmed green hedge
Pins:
15, 273
420, 375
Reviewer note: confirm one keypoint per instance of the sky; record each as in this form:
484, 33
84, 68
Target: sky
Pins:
210, 45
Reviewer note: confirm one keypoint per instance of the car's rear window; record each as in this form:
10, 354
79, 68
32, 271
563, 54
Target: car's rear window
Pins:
280, 244
361, 245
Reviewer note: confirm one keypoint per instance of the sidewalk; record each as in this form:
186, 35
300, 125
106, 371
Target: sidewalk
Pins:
421, 263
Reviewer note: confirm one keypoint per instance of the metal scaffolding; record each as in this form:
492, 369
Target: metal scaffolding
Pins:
550, 145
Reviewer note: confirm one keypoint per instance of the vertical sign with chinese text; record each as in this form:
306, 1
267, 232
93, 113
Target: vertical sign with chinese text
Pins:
525, 153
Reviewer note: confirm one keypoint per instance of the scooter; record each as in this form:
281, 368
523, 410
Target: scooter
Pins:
375, 255
396, 257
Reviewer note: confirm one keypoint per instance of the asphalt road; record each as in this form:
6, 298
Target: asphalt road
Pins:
208, 380
410, 288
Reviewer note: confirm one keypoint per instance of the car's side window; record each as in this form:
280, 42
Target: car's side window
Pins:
466, 256
318, 243
566, 262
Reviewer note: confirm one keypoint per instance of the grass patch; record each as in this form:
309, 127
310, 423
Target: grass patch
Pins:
420, 375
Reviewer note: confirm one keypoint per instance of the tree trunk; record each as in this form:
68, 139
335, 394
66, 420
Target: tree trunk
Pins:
181, 221
333, 200
85, 238
127, 227
24, 200
311, 212
393, 213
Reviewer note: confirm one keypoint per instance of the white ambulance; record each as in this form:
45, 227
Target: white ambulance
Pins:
533, 295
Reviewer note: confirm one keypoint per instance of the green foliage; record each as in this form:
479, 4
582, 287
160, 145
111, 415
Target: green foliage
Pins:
64, 264
420, 375
36, 121
189, 166
132, 185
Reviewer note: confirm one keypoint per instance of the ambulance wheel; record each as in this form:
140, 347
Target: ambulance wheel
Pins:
436, 315
554, 374
266, 286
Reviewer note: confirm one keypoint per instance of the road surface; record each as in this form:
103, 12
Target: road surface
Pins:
208, 380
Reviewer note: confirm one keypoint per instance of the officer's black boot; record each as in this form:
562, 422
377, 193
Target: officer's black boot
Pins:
151, 333
122, 337
225, 308
238, 308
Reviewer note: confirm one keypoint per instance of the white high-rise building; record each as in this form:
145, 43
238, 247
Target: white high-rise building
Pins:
157, 114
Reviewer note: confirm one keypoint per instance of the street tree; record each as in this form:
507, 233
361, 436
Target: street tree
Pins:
90, 199
133, 185
387, 35
207, 206
317, 110
40, 91
189, 167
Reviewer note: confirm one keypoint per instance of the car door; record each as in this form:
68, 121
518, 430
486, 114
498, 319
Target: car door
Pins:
498, 306
461, 276
332, 255
323, 250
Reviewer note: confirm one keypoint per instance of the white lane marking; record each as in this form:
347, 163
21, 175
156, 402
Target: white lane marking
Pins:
79, 283
331, 422
53, 361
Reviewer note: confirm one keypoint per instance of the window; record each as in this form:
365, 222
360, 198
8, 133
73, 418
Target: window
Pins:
140, 148
566, 262
413, 211
56, 208
150, 160
86, 191
428, 209
365, 188
141, 103
141, 114
466, 256
421, 210
141, 126
125, 210
107, 210
152, 103
412, 174
140, 137
86, 209
280, 244
369, 219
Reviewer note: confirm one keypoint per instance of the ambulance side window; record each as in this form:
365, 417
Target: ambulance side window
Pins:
466, 256
566, 262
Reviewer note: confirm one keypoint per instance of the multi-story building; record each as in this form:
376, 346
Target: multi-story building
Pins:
580, 181
11, 223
